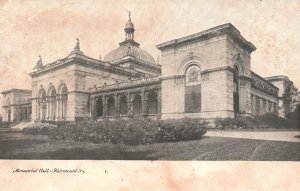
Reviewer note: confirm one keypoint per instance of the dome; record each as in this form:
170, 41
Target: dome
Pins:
129, 25
129, 50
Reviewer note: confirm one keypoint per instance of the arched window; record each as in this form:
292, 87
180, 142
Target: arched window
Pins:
63, 103
99, 107
111, 106
52, 103
137, 104
236, 95
193, 89
123, 105
152, 103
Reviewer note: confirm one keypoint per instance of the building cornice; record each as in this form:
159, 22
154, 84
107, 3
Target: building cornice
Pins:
16, 90
263, 85
85, 61
277, 78
140, 62
263, 79
126, 85
227, 29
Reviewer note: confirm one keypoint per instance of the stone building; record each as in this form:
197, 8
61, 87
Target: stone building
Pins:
211, 71
282, 82
16, 105
207, 75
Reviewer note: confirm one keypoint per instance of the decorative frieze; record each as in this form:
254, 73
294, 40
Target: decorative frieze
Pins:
263, 85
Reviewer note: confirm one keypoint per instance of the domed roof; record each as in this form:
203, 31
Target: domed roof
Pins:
129, 25
129, 50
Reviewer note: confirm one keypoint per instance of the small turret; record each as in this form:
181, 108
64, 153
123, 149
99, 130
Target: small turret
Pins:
129, 29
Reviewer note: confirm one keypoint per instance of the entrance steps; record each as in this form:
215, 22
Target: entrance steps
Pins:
22, 125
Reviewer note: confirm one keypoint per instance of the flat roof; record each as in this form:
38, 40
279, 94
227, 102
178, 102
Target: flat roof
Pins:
227, 28
16, 90
279, 77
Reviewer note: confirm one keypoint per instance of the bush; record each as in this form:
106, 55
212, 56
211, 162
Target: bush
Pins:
4, 124
38, 129
269, 120
133, 131
294, 118
181, 130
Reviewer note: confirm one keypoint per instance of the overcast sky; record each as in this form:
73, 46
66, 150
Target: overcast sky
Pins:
49, 28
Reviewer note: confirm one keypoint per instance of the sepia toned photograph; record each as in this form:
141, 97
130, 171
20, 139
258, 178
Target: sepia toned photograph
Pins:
179, 85
197, 97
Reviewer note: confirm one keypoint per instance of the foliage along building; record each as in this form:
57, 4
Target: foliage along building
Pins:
203, 75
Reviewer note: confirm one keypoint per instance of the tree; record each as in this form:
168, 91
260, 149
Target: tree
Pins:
288, 97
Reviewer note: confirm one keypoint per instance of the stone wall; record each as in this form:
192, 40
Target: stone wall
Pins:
16, 101
217, 51
79, 79
212, 55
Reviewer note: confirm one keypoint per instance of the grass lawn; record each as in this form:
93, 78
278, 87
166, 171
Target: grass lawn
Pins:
14, 145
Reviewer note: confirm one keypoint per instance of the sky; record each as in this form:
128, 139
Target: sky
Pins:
49, 28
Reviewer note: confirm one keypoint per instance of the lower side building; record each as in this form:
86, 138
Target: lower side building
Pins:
16, 105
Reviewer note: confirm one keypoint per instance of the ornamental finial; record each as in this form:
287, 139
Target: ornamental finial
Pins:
39, 63
77, 46
129, 15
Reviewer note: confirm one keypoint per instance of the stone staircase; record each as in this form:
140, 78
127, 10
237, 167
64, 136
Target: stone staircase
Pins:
22, 125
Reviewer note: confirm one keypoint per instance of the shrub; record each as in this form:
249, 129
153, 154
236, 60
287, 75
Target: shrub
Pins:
133, 131
293, 118
269, 120
141, 131
38, 129
181, 130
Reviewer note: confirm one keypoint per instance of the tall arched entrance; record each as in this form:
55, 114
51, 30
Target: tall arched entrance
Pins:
42, 105
51, 103
63, 102
236, 94
193, 89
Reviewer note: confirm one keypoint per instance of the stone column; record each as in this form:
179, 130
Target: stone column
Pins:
158, 103
92, 108
245, 95
119, 106
62, 108
38, 109
131, 99
257, 105
272, 107
261, 106
116, 105
104, 100
47, 108
145, 102
276, 108
58, 107
18, 113
253, 104
128, 103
